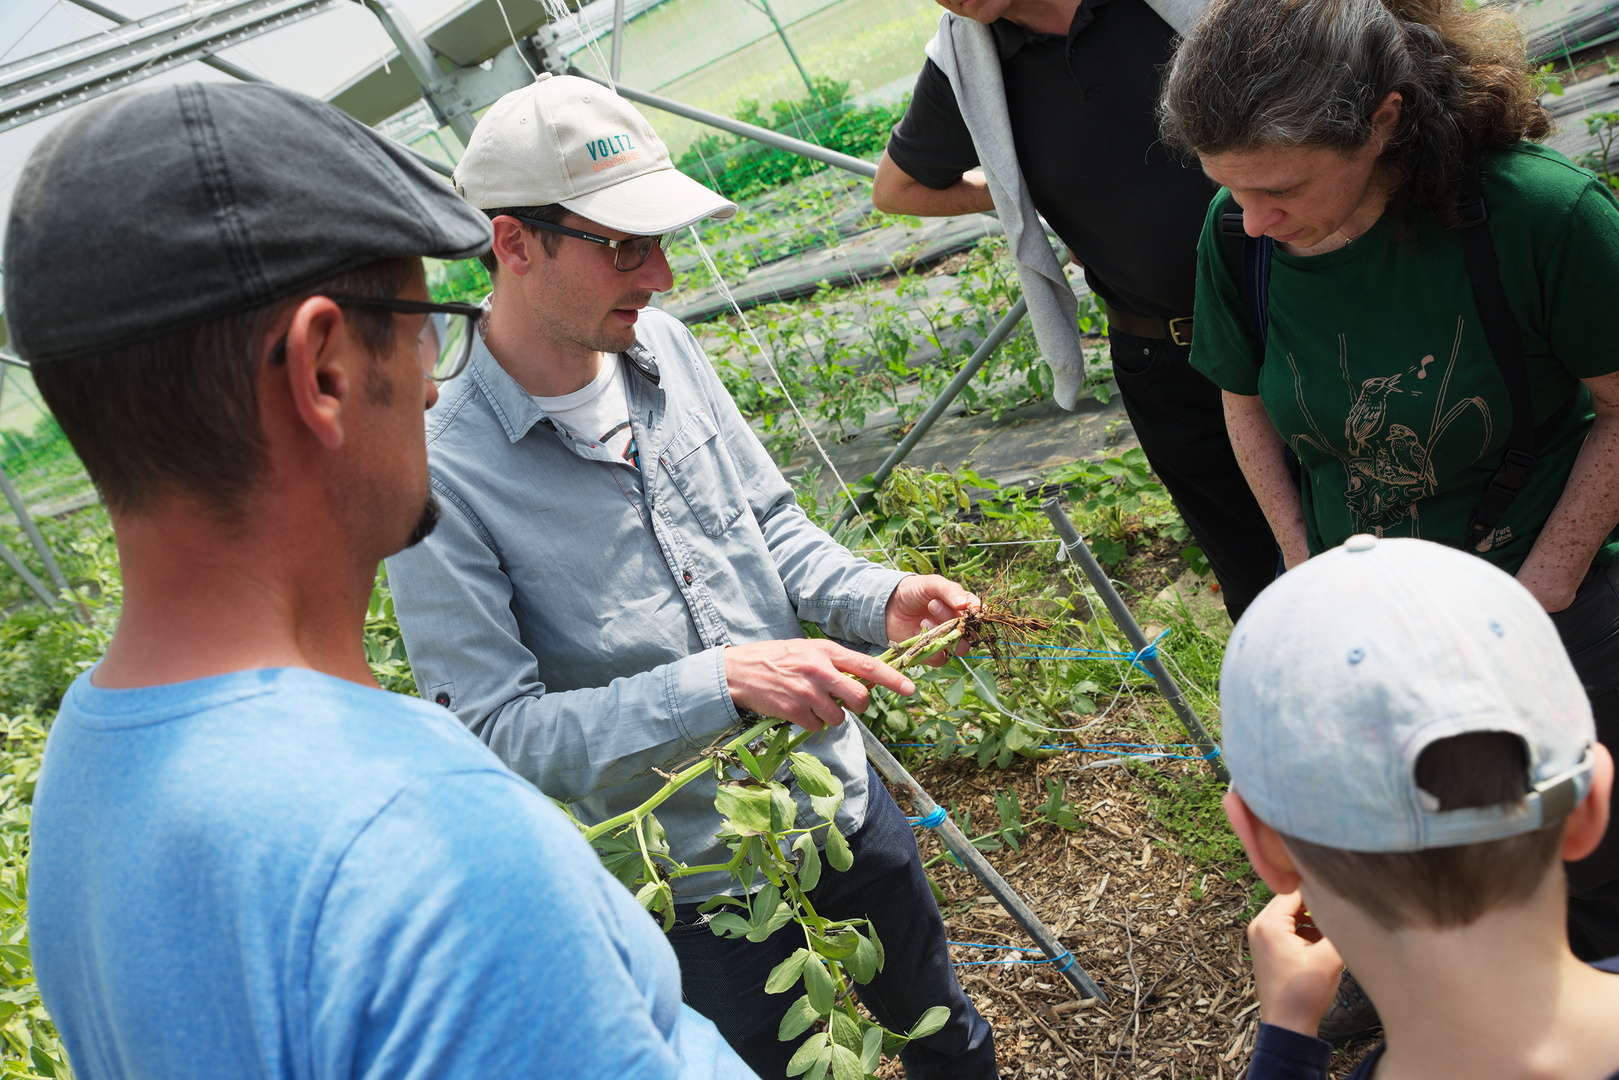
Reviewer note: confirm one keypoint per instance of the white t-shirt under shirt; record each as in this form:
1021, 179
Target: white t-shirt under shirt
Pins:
598, 412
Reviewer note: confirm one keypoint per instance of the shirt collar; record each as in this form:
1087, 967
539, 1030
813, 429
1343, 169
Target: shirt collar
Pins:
1010, 37
515, 407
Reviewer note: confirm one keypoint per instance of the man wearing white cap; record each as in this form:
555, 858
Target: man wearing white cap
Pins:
620, 570
1411, 755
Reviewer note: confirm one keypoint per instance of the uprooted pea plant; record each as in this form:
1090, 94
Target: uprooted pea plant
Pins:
761, 828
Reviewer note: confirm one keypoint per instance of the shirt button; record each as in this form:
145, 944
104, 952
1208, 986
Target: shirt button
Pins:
441, 698
687, 576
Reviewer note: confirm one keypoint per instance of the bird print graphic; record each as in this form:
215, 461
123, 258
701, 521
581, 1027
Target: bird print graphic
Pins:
1388, 466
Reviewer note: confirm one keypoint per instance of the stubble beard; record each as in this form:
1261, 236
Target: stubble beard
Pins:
428, 521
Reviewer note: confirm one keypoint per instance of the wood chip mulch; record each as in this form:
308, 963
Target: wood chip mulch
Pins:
1163, 938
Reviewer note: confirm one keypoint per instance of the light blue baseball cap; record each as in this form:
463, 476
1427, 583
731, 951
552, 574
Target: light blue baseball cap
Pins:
1348, 667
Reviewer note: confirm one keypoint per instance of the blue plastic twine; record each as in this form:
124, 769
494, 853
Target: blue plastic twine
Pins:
933, 820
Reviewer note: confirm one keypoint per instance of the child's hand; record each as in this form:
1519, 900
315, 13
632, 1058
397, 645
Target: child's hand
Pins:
1295, 968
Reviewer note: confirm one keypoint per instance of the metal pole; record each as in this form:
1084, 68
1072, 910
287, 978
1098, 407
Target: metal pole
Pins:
615, 64
998, 334
781, 32
1075, 546
237, 72
27, 576
737, 127
419, 58
953, 838
26, 520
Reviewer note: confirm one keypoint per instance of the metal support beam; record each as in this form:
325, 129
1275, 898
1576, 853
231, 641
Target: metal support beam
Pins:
454, 113
19, 568
617, 62
1077, 550
781, 32
26, 520
236, 71
737, 127
80, 71
999, 333
958, 844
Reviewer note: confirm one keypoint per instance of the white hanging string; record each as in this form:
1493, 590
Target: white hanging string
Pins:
511, 34
559, 11
770, 361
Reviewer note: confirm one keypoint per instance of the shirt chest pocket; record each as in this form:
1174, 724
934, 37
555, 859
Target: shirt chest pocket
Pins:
701, 468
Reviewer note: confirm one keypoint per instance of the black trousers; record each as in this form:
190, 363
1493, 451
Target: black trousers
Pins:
724, 978
1590, 631
1178, 416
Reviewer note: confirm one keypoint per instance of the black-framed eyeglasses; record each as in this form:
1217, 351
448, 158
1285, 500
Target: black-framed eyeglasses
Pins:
629, 254
445, 342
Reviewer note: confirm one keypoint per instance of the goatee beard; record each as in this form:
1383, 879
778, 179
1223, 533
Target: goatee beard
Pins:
427, 522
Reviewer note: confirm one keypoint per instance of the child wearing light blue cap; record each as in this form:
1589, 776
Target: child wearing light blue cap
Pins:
1412, 759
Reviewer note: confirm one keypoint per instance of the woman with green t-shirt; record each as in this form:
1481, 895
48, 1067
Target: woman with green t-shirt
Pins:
1355, 139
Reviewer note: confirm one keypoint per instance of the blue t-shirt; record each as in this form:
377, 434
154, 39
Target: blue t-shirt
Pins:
276, 873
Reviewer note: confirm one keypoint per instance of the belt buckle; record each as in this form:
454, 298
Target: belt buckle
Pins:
1175, 330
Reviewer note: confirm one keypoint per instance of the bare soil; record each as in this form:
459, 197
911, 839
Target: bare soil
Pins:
1120, 895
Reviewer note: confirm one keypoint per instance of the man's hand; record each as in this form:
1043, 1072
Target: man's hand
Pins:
1295, 969
921, 602
804, 681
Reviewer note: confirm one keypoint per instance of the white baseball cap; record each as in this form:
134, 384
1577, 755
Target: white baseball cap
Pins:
563, 139
1348, 667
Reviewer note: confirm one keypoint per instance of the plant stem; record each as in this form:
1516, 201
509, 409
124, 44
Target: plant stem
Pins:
680, 780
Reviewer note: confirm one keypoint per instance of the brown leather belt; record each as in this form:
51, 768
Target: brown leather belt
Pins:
1177, 331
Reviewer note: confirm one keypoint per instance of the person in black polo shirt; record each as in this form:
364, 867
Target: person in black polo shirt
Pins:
1081, 81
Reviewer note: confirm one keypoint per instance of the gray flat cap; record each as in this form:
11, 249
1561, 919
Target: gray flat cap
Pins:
157, 209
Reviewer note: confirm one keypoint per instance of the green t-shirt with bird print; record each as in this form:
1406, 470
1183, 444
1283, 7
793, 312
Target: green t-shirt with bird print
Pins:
1377, 371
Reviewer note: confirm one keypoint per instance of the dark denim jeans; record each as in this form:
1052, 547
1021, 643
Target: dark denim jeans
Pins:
1590, 631
1178, 415
724, 978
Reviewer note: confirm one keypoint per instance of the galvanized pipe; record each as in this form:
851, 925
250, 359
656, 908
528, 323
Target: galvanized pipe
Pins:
26, 520
957, 842
615, 64
980, 356
737, 127
1077, 550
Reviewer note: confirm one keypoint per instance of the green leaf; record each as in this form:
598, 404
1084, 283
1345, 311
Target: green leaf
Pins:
871, 1049
846, 1064
931, 1021
839, 947
818, 982
845, 1030
826, 806
783, 809
837, 850
787, 973
729, 924
809, 873
806, 1054
814, 776
800, 1015
877, 944
862, 966
746, 807
749, 762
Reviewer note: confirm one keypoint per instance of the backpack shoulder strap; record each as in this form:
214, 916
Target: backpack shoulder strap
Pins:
1251, 258
1506, 342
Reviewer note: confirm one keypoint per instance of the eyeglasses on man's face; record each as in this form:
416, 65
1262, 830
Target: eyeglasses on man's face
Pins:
445, 341
629, 254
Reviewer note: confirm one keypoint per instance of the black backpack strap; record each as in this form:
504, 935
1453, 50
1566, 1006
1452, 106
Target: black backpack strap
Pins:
1251, 256
1501, 329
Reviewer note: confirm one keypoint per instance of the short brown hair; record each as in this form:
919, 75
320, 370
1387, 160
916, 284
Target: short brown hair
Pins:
552, 212
1449, 886
180, 412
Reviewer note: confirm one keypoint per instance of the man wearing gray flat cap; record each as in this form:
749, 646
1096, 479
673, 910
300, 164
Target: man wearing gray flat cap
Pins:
621, 571
247, 859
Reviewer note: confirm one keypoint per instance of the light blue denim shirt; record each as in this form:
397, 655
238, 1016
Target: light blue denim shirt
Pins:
573, 611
